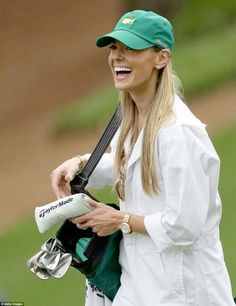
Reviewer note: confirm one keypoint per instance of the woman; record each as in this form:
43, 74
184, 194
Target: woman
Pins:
165, 172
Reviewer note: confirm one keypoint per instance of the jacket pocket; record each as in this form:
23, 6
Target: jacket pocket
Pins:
172, 266
157, 278
219, 287
165, 270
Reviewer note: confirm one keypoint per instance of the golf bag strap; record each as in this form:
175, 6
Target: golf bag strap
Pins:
81, 179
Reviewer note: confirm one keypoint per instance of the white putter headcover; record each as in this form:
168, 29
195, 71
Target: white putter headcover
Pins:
60, 210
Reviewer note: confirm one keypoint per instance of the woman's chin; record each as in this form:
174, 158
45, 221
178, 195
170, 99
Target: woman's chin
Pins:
122, 87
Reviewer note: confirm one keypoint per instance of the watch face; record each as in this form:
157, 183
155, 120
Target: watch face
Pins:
125, 228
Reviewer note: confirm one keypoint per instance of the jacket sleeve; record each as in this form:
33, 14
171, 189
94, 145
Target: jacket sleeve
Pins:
188, 170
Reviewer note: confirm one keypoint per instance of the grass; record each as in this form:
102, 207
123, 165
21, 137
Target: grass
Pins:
202, 63
225, 143
18, 244
18, 284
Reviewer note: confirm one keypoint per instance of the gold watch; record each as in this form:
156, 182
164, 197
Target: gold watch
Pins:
125, 227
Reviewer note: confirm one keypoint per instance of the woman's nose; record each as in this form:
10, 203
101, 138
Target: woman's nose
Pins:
117, 54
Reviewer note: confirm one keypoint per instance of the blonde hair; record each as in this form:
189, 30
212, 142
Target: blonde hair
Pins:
160, 113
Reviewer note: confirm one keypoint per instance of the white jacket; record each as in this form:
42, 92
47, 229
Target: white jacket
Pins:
180, 261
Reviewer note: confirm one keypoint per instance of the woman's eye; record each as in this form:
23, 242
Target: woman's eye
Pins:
112, 47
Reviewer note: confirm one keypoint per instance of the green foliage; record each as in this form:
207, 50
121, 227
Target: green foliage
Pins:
207, 61
199, 18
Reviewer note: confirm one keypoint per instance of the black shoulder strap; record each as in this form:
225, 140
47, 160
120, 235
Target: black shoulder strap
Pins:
81, 179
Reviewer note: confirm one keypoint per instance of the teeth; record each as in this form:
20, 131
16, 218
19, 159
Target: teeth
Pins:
118, 69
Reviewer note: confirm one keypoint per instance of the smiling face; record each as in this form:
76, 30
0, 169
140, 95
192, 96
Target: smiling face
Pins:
133, 70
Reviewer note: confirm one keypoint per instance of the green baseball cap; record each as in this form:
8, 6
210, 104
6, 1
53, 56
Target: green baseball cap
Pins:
140, 29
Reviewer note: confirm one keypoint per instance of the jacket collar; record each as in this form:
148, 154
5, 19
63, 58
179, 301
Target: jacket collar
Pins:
137, 149
183, 117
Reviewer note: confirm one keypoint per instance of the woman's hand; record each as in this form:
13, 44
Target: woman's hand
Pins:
62, 175
103, 219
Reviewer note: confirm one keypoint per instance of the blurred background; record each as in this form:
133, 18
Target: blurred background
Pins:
56, 95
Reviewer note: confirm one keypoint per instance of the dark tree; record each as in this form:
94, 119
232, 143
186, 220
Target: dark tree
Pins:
164, 7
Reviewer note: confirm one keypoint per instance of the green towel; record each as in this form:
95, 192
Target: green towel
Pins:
80, 247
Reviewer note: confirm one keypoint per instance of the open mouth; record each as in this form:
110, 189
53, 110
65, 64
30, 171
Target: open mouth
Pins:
122, 71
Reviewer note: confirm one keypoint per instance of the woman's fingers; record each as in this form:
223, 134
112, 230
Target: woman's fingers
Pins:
92, 202
62, 175
99, 219
64, 191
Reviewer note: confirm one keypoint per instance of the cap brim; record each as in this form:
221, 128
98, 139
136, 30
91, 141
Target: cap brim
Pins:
129, 39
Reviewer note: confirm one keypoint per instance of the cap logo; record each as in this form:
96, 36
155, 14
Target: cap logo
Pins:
127, 21
161, 43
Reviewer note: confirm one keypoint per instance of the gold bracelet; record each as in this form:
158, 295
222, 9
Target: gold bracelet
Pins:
81, 162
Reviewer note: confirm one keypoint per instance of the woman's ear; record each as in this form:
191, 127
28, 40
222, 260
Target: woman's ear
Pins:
162, 58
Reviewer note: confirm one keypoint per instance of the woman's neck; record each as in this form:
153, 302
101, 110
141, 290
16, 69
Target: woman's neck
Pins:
143, 97
143, 101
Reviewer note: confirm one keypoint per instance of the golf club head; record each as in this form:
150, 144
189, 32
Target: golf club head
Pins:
49, 246
50, 261
62, 267
42, 273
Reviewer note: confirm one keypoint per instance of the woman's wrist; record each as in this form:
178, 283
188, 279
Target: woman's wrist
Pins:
119, 216
135, 222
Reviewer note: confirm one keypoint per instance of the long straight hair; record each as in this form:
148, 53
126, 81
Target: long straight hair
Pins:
160, 112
